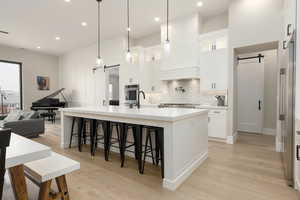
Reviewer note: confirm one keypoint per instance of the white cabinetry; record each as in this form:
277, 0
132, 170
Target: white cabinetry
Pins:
149, 70
214, 61
217, 124
180, 73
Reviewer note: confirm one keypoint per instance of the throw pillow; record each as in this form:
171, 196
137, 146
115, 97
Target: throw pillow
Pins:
13, 116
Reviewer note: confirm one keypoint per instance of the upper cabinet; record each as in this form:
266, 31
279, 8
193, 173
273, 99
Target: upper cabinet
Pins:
214, 41
149, 70
289, 18
214, 61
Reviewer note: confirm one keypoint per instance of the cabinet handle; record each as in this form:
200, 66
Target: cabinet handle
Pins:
213, 85
259, 105
289, 30
297, 152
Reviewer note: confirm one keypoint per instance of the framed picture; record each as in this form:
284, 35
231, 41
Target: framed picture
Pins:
43, 83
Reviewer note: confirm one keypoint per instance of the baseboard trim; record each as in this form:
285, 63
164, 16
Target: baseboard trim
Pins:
297, 185
174, 184
269, 131
214, 139
279, 145
231, 139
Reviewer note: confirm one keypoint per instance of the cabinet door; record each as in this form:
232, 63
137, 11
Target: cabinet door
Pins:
217, 124
213, 70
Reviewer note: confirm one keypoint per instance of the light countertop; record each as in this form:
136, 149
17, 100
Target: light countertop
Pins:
212, 107
148, 113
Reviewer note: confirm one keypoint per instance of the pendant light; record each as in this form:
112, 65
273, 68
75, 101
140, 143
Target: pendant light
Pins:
167, 41
99, 60
128, 54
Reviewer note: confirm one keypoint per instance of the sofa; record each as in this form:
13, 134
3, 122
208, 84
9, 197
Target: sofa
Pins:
24, 123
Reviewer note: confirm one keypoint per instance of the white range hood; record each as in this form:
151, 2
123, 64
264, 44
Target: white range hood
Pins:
180, 73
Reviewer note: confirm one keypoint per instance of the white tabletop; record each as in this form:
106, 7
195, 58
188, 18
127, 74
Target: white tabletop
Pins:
164, 114
23, 150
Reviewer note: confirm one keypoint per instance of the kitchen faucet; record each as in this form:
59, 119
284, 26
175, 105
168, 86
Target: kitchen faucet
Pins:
139, 101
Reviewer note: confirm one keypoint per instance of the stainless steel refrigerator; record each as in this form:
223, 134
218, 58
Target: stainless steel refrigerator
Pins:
287, 110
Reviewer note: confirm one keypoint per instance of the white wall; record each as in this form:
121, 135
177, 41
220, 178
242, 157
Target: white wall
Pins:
255, 21
251, 22
149, 40
34, 64
184, 46
214, 23
84, 88
270, 92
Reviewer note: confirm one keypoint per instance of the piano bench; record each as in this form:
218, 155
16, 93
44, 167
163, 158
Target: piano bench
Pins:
50, 115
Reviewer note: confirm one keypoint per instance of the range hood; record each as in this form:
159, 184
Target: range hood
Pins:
180, 73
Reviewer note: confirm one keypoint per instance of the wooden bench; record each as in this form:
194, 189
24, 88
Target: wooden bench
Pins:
43, 171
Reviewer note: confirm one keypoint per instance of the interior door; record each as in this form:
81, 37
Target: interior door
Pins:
250, 96
287, 112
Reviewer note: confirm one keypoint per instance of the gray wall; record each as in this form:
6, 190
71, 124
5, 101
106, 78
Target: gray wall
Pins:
34, 64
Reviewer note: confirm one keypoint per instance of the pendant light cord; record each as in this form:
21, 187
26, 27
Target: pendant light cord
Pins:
99, 28
167, 20
128, 28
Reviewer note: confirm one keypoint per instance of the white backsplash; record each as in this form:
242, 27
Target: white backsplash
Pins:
185, 91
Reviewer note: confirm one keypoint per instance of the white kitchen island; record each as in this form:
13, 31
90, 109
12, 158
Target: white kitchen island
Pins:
185, 134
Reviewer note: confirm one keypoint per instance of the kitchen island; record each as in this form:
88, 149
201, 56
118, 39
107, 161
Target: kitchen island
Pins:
185, 134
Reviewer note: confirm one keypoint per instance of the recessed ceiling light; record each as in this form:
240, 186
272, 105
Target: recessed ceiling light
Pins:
57, 38
157, 19
200, 4
83, 24
38, 47
68, 1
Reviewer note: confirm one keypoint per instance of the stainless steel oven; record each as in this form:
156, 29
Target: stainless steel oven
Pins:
131, 94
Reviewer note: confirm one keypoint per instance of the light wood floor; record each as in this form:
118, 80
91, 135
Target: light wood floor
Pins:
249, 170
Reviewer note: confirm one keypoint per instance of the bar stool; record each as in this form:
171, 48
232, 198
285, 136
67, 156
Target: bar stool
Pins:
82, 132
159, 147
137, 143
106, 138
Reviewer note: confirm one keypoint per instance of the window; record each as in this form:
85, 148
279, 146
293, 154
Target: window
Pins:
10, 86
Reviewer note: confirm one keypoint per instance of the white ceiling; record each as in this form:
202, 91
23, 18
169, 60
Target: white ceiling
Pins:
33, 23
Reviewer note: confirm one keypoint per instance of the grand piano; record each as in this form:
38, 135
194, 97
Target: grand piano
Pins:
49, 103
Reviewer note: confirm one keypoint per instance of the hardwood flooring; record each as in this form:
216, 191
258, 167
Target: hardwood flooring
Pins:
248, 170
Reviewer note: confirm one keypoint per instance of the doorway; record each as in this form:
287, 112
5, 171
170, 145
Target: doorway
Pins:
113, 86
250, 94
10, 86
257, 88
